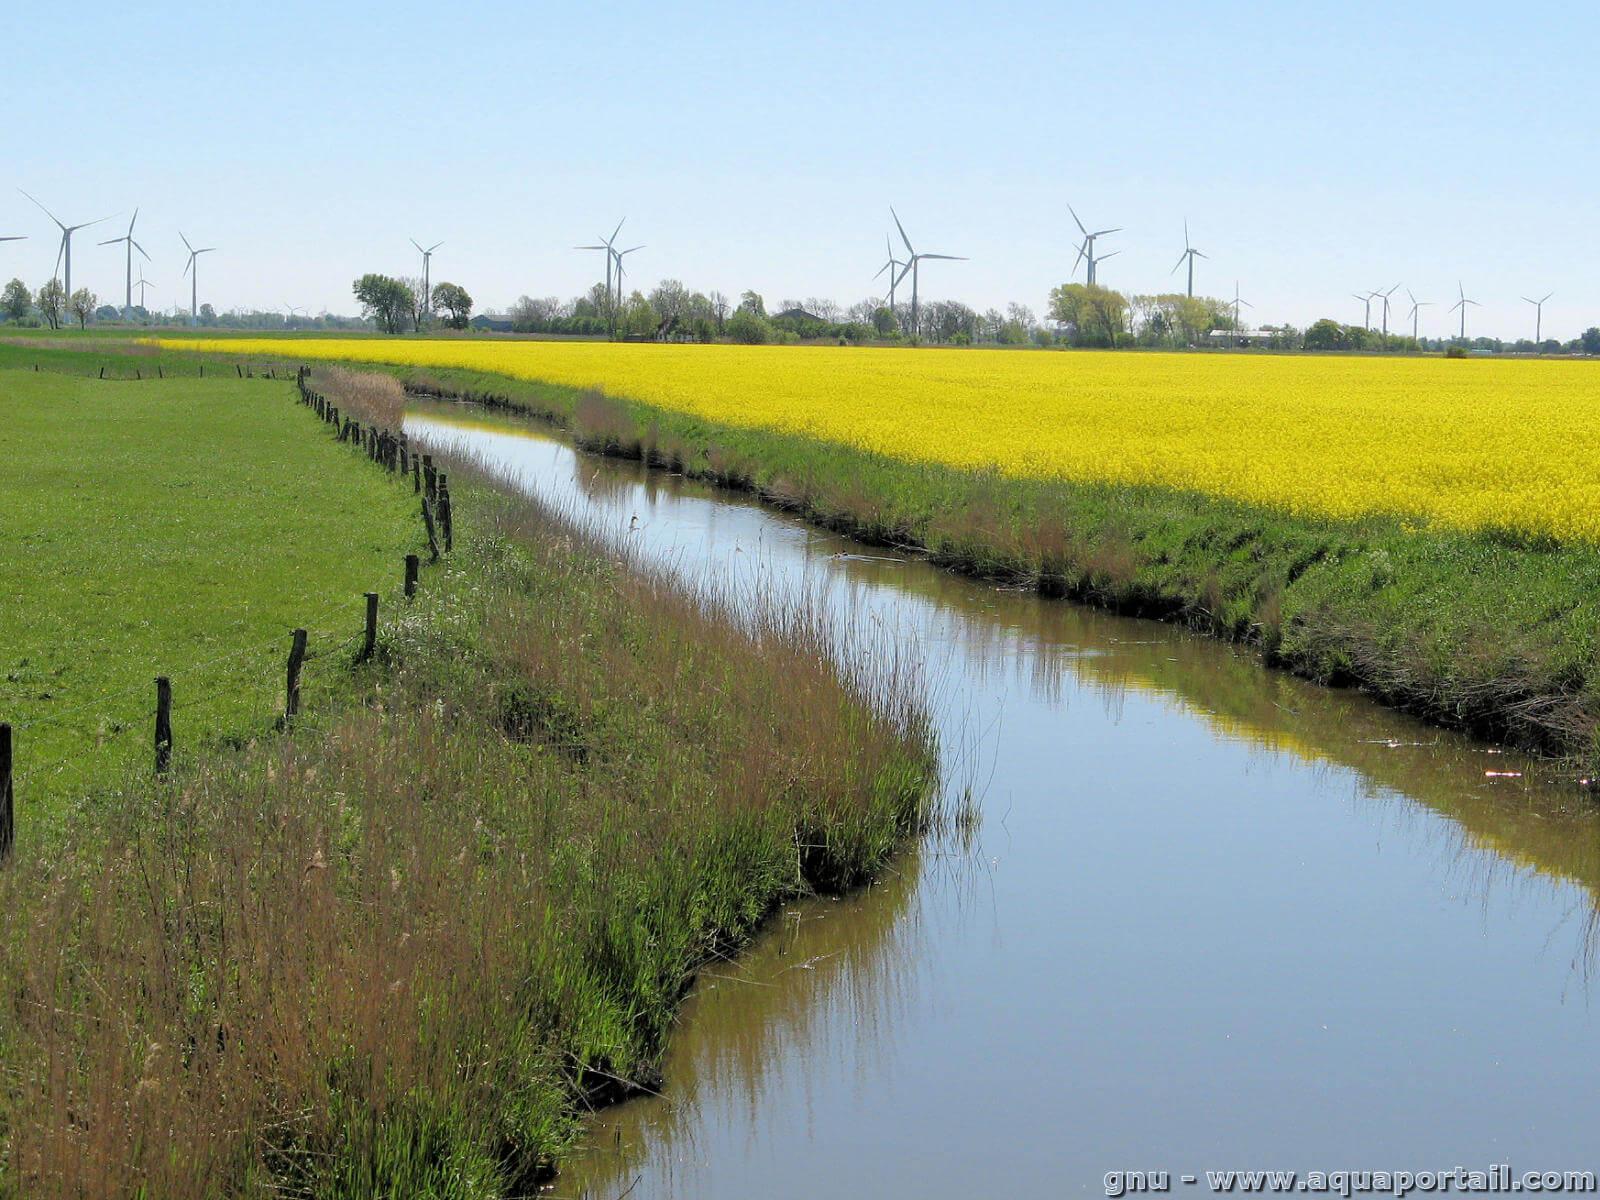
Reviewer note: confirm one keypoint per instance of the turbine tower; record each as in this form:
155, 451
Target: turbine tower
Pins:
890, 266
193, 272
1086, 250
1462, 305
127, 301
1366, 298
427, 276
1384, 296
1189, 254
66, 238
1236, 303
618, 255
1538, 319
608, 244
1416, 305
912, 266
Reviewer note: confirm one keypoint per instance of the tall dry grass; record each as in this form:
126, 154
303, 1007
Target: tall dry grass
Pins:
396, 953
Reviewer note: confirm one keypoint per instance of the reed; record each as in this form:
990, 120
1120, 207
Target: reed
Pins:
398, 952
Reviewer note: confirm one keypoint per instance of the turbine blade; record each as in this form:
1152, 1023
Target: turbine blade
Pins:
43, 209
1074, 213
884, 268
434, 247
413, 241
1181, 257
141, 250
114, 241
185, 240
955, 257
909, 249
1103, 232
1103, 257
1198, 254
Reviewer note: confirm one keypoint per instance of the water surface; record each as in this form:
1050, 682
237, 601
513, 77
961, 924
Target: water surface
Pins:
1216, 917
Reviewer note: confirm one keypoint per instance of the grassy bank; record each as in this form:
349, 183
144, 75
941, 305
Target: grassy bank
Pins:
173, 527
1491, 631
398, 951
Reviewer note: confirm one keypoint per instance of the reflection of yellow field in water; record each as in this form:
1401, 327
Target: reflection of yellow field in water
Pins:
1462, 443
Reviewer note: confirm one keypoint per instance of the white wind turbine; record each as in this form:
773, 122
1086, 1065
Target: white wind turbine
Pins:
1538, 319
190, 269
66, 237
890, 266
912, 264
427, 275
1189, 254
141, 283
1462, 304
127, 238
1416, 307
1086, 249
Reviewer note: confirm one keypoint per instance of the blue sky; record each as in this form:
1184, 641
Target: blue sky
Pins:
1314, 151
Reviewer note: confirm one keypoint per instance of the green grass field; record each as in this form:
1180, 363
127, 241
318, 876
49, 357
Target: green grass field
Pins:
180, 528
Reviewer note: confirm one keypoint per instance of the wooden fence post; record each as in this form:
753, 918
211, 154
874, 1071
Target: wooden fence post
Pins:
370, 642
416, 475
412, 563
163, 724
297, 656
433, 541
429, 477
8, 828
444, 515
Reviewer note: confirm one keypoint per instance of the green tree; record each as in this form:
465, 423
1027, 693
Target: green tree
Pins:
82, 303
386, 300
52, 302
752, 303
1095, 316
1327, 334
16, 300
747, 327
453, 298
1590, 341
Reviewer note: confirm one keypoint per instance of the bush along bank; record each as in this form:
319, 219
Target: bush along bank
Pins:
398, 950
1490, 631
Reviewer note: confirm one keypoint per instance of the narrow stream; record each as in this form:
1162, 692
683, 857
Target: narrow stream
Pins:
1217, 917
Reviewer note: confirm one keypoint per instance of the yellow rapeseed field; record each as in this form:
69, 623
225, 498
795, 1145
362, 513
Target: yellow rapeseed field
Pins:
1464, 443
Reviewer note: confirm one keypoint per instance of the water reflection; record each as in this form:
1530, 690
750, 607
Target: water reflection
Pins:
1218, 917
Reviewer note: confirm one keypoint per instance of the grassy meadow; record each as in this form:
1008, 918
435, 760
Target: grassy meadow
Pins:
180, 528
1488, 622
402, 949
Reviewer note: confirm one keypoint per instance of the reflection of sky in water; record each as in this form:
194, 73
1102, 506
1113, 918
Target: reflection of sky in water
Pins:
1216, 917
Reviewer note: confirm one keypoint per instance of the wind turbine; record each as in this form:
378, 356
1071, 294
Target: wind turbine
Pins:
890, 267
1538, 320
1462, 305
427, 276
141, 283
1236, 303
1415, 306
1366, 299
1384, 296
132, 245
1086, 250
66, 237
608, 244
618, 255
912, 265
194, 277
1189, 254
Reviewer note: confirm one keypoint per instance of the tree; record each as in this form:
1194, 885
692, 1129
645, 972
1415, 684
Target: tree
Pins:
1093, 314
208, 315
387, 301
417, 311
670, 300
1590, 341
719, 307
747, 327
1327, 335
52, 302
752, 303
82, 304
453, 298
16, 300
